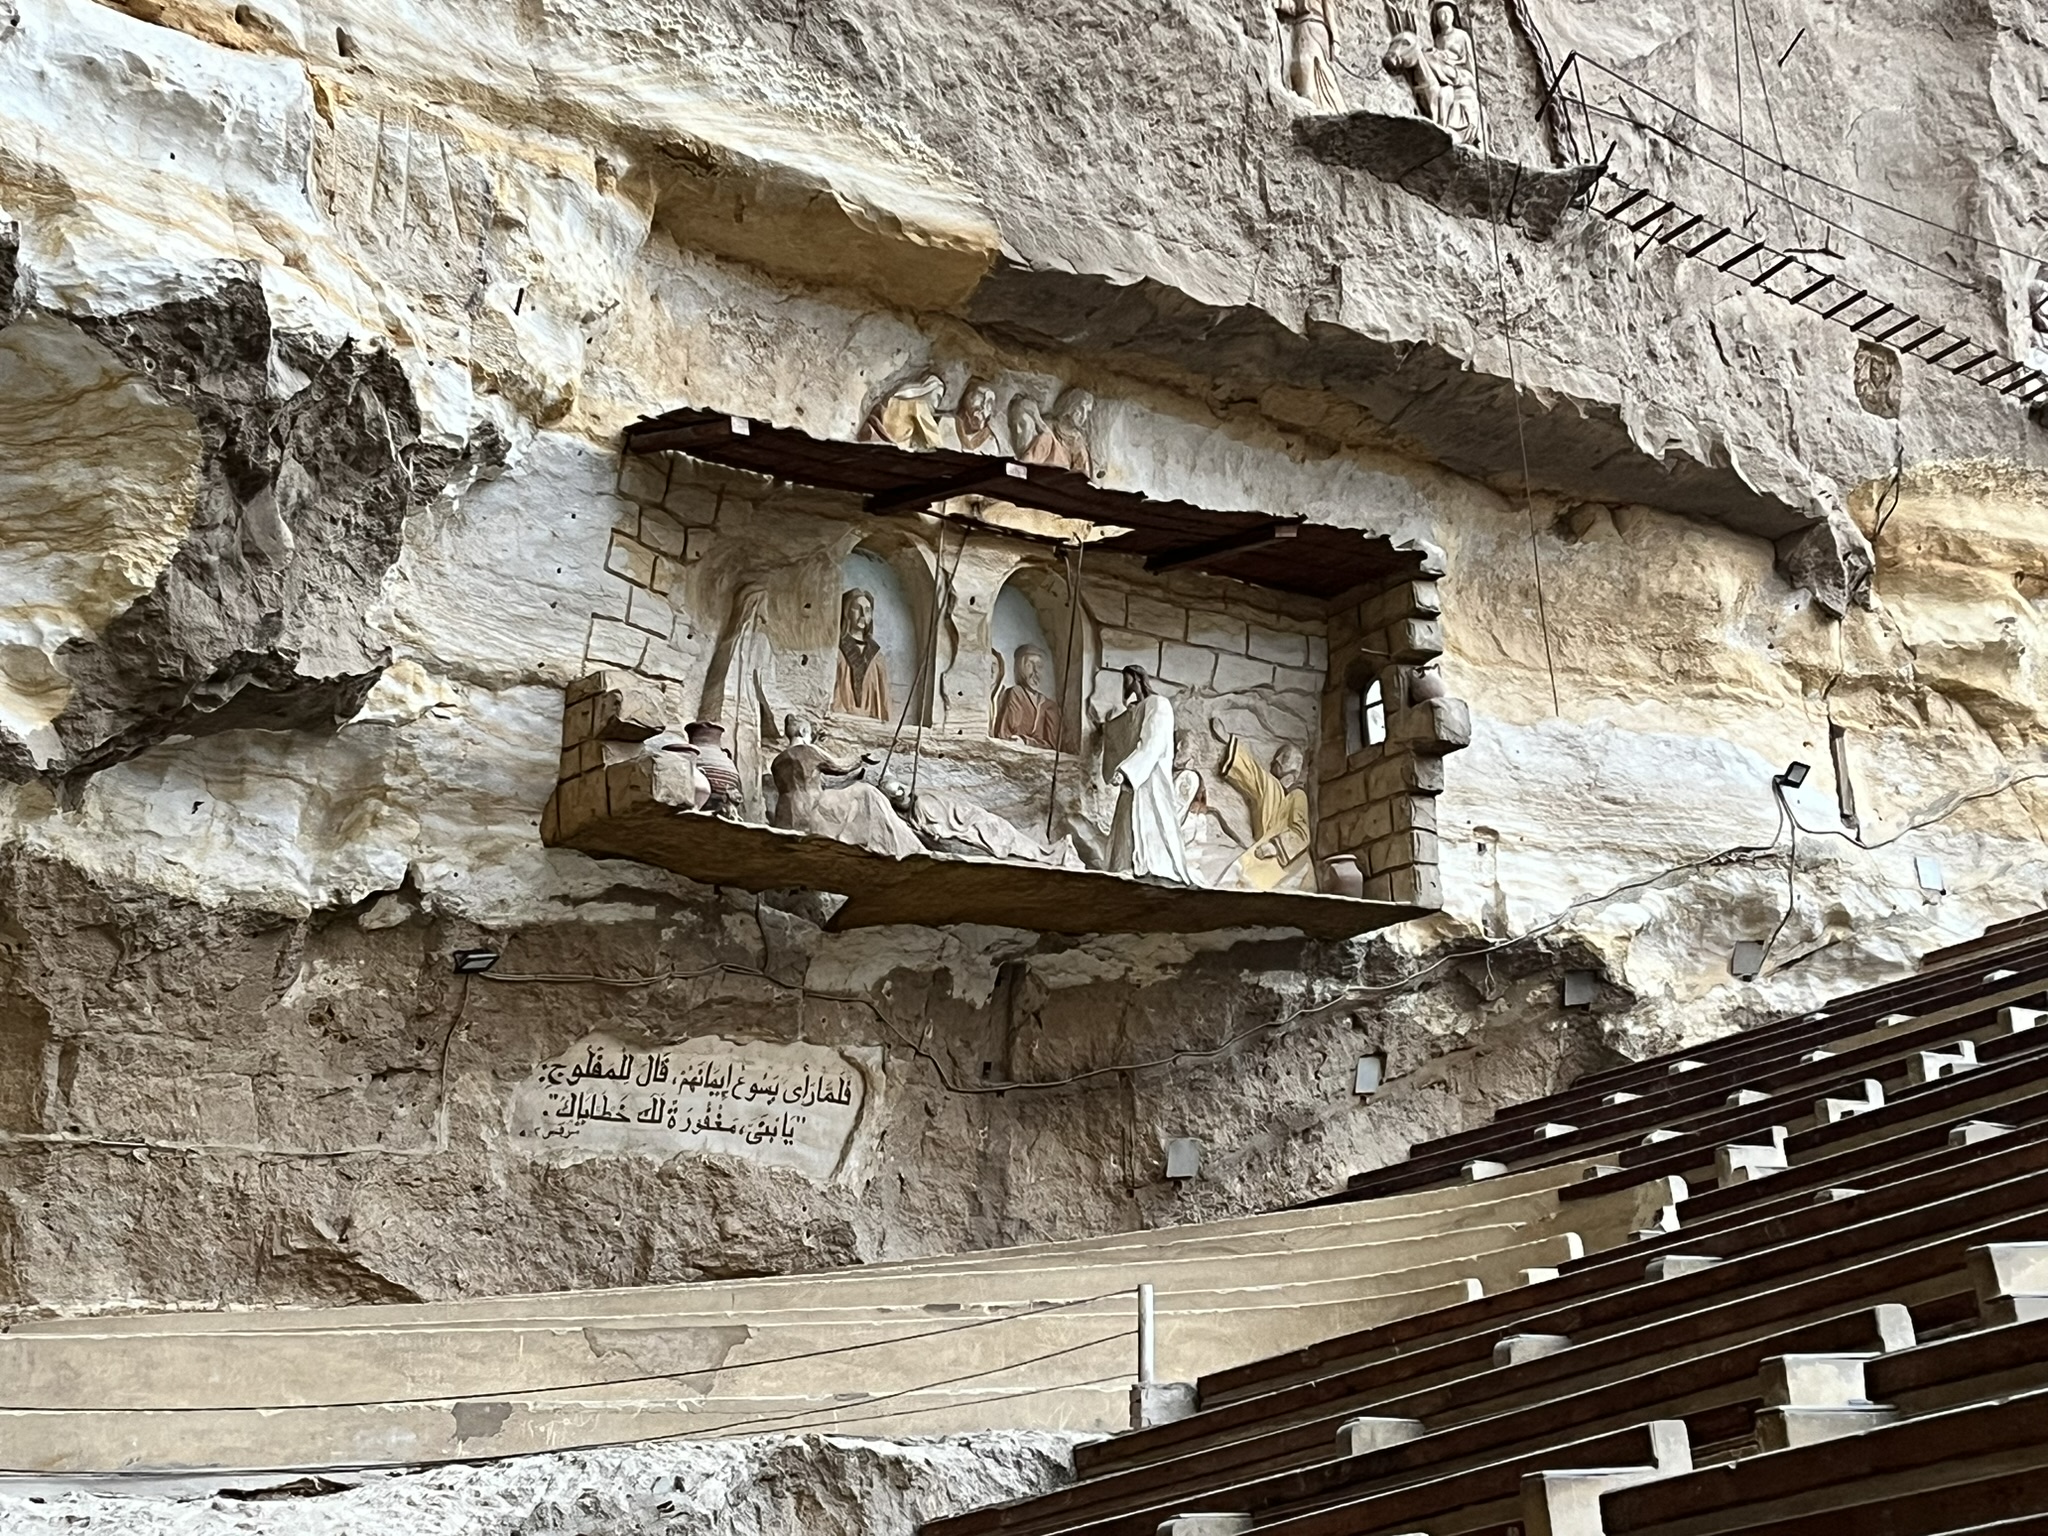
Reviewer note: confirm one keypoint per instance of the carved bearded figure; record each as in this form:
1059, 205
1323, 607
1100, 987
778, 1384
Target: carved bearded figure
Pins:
1137, 757
1279, 806
974, 423
861, 684
1027, 712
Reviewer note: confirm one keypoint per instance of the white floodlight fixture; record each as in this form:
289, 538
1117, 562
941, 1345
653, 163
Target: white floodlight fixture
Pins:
474, 962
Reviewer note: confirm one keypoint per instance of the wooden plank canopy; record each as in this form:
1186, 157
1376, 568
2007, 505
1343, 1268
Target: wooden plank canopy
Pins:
1260, 548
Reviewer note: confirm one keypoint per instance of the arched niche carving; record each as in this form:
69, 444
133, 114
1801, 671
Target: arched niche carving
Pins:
883, 621
1035, 682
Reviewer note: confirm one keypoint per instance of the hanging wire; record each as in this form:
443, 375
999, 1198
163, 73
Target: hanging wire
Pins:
1888, 499
1805, 175
1067, 698
1507, 322
1356, 991
921, 684
1832, 223
1770, 112
1741, 118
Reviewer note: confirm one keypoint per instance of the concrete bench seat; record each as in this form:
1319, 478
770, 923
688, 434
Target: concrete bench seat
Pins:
1387, 1491
1775, 1211
1911, 1256
1944, 1202
1991, 1362
362, 1362
1524, 1208
1930, 999
2017, 1074
1893, 1052
1881, 1159
1479, 1417
1699, 1115
325, 1440
1921, 1476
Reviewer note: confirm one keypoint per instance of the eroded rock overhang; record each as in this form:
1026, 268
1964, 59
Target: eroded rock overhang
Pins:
937, 251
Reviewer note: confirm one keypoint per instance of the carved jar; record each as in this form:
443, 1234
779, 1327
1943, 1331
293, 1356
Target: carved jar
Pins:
1426, 683
707, 737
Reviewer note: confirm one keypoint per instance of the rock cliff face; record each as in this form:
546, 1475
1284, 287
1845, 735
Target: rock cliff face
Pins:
763, 1487
317, 330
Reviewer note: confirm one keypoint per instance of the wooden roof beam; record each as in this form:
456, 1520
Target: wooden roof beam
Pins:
1215, 549
993, 479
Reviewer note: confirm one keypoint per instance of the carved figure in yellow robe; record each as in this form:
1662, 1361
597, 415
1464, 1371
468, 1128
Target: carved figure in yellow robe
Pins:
1137, 757
1279, 807
861, 685
908, 416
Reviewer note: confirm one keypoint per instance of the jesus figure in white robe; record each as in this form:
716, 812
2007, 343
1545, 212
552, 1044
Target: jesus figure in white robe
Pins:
1137, 757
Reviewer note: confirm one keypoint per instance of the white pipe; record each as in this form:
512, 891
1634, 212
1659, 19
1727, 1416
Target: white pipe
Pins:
1145, 1336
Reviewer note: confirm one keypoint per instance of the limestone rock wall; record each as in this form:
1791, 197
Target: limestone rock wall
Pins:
320, 326
830, 1485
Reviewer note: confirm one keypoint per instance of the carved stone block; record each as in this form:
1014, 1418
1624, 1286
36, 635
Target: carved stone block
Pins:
1415, 639
1401, 849
1419, 885
580, 802
628, 709
1434, 727
579, 719
1278, 647
628, 784
1409, 600
1347, 793
1406, 774
1413, 813
1361, 828
1237, 674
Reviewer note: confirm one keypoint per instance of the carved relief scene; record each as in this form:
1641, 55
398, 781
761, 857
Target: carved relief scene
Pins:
906, 654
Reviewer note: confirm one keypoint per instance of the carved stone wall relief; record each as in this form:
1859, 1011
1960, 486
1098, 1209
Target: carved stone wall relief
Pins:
1432, 52
1027, 704
935, 685
1310, 41
1045, 424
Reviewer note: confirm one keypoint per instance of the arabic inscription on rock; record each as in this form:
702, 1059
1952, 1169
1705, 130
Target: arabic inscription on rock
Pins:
786, 1106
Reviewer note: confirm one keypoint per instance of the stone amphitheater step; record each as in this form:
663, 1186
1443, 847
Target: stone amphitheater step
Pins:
934, 1345
1524, 1207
